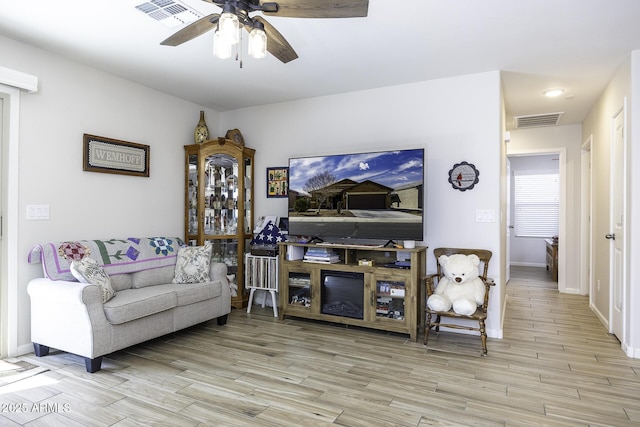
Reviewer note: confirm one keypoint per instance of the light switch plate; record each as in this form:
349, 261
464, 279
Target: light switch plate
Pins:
37, 212
485, 215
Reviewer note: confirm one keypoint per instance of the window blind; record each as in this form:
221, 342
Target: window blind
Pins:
537, 205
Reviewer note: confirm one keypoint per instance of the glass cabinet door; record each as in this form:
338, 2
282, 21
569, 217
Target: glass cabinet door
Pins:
192, 196
299, 289
226, 251
248, 196
390, 295
220, 195
390, 299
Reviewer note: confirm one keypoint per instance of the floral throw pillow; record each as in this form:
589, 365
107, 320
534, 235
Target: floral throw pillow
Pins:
87, 270
192, 265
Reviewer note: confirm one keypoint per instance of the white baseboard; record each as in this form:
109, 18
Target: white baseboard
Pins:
24, 349
599, 315
495, 333
527, 264
628, 350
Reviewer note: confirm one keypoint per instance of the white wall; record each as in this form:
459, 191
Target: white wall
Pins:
74, 99
454, 119
566, 138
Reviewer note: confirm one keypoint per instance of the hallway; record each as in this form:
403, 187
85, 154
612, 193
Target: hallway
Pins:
572, 349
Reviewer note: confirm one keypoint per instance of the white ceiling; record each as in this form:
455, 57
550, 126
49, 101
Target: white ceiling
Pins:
572, 44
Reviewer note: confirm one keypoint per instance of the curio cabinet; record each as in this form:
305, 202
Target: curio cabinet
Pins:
219, 205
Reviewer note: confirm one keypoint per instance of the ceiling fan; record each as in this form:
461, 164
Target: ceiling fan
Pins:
277, 45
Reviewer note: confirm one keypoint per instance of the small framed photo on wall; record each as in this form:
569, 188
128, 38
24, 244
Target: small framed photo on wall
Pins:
278, 182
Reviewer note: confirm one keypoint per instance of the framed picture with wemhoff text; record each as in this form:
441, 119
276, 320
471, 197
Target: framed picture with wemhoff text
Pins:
109, 155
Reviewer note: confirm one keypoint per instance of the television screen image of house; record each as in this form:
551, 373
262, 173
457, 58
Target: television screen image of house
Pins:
375, 195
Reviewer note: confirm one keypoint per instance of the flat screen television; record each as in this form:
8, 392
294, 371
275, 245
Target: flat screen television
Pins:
363, 196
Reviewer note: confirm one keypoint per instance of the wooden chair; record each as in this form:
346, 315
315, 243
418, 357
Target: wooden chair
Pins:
479, 316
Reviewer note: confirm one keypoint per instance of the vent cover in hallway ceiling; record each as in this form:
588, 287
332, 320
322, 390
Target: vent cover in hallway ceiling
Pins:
536, 120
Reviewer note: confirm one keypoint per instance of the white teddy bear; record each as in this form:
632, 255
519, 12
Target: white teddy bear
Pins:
460, 287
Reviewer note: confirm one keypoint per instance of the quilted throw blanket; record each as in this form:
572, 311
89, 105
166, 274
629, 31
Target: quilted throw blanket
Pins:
116, 256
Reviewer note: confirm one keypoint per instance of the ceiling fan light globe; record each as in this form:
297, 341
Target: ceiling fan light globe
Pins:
257, 43
221, 49
229, 27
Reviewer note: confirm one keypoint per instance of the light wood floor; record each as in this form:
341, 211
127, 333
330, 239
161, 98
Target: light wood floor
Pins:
555, 366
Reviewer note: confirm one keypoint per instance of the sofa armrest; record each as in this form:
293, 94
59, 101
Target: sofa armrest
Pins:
62, 291
218, 271
69, 316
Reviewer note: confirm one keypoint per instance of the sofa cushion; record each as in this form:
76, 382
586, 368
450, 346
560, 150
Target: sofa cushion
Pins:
87, 270
191, 293
131, 304
152, 277
192, 265
121, 282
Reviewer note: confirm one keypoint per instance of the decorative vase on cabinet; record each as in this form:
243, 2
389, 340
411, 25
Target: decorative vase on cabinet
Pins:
201, 132
219, 205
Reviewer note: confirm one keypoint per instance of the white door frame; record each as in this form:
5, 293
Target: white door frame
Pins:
11, 84
562, 220
586, 223
509, 220
9, 193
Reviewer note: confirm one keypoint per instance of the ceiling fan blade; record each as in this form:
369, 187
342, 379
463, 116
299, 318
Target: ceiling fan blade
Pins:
193, 30
270, 6
320, 8
277, 45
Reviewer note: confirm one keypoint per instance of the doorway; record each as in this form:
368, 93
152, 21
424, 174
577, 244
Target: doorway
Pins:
558, 156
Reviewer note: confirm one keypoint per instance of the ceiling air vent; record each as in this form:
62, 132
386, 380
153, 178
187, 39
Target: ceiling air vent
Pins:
171, 13
537, 120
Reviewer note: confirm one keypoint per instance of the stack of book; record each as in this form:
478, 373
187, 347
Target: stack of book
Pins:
321, 255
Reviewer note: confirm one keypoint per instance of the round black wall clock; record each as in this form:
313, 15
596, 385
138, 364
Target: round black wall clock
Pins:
463, 176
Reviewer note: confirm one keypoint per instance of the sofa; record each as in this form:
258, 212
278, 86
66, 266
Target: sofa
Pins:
143, 300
